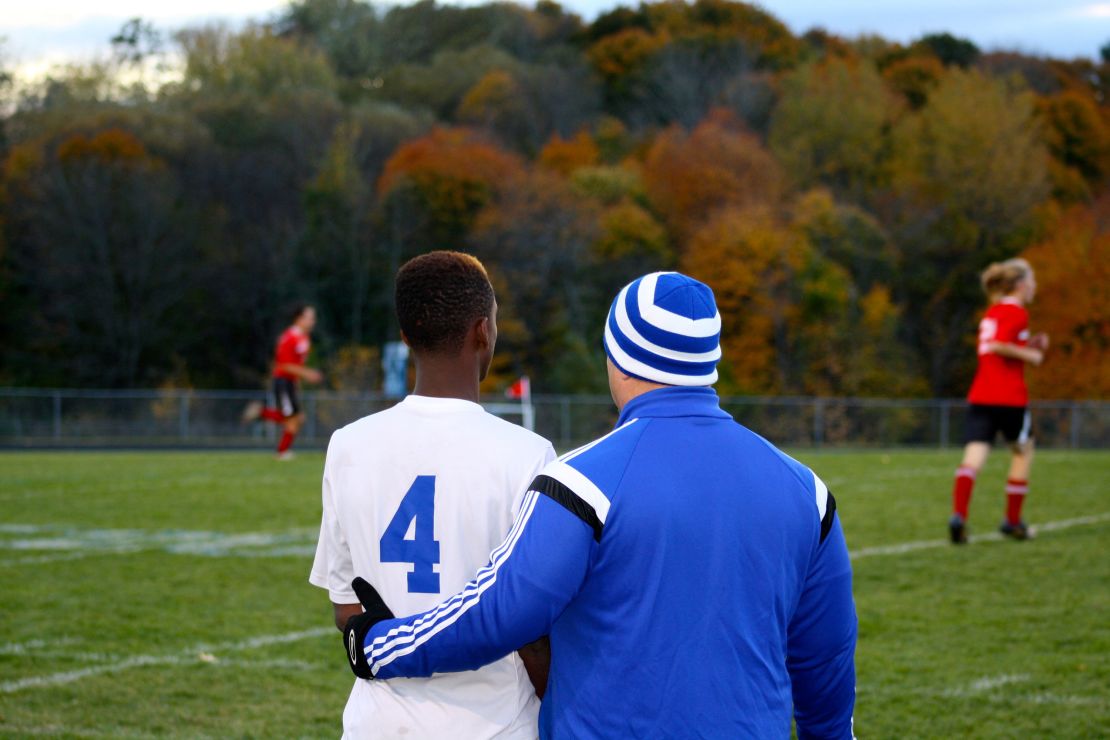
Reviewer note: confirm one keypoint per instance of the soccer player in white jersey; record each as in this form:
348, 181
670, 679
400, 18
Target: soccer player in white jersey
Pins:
416, 497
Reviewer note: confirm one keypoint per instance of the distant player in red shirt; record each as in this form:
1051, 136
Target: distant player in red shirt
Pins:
998, 400
289, 369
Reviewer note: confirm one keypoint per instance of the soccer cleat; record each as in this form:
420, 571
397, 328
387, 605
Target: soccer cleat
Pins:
284, 456
1017, 531
252, 412
957, 530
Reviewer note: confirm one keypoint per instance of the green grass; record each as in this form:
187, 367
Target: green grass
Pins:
129, 598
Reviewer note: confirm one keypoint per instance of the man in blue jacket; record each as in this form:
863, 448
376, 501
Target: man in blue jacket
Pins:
694, 580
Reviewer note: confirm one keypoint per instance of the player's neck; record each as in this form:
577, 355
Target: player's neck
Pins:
446, 377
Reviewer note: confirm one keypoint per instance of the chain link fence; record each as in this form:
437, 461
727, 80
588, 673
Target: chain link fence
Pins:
68, 418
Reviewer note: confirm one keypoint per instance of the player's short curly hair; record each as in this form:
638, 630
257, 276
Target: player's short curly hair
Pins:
438, 296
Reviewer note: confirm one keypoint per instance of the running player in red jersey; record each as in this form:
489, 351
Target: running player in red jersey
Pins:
289, 369
998, 400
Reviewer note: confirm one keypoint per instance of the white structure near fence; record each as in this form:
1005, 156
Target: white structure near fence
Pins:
68, 418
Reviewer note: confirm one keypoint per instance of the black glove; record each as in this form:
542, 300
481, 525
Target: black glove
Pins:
354, 633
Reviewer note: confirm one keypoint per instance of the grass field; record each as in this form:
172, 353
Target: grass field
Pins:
165, 595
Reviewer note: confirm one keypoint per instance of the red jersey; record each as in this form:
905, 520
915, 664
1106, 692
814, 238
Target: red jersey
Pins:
1000, 381
292, 349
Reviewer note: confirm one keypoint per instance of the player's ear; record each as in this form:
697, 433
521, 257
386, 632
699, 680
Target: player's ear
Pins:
481, 332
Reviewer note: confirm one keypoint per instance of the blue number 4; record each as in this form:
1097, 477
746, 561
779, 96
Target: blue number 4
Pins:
422, 551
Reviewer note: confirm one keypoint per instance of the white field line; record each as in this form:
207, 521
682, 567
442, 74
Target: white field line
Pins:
79, 555
983, 689
61, 543
32, 646
905, 547
55, 730
988, 683
196, 654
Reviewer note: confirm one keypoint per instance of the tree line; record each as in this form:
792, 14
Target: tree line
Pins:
840, 195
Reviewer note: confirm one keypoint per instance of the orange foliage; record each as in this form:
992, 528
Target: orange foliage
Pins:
21, 161
1073, 305
110, 145
748, 258
1077, 133
449, 153
914, 77
497, 91
627, 230
565, 157
619, 54
690, 176
759, 31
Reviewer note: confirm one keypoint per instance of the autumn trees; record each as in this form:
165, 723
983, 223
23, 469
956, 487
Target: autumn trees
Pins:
840, 195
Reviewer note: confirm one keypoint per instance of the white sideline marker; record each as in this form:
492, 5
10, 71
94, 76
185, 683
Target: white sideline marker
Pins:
905, 547
49, 544
190, 655
988, 684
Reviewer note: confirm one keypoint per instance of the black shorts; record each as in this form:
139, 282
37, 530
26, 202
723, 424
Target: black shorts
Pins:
285, 397
984, 422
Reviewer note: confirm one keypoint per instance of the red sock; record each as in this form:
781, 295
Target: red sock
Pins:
286, 442
1015, 497
272, 415
961, 490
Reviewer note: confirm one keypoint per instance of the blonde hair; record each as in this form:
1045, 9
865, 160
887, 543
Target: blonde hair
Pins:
1001, 278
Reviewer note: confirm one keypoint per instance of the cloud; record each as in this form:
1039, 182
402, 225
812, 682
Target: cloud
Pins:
63, 13
1098, 10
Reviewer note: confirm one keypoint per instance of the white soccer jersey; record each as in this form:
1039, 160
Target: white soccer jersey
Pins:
415, 499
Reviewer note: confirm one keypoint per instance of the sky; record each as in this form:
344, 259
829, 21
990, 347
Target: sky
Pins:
41, 33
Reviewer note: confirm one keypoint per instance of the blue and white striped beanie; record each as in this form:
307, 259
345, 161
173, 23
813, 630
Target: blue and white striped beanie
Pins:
665, 327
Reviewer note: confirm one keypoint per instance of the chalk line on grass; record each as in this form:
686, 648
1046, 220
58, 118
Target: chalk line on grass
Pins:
32, 646
195, 654
78, 555
53, 543
60, 730
984, 689
988, 683
905, 547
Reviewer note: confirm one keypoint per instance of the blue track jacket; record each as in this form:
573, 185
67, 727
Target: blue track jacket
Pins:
694, 581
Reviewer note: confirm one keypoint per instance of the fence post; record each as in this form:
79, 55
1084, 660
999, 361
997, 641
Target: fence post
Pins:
818, 421
944, 413
1074, 431
183, 415
57, 414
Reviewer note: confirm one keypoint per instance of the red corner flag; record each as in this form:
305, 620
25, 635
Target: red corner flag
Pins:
521, 389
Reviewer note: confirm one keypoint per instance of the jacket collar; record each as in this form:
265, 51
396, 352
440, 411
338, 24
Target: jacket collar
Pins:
674, 401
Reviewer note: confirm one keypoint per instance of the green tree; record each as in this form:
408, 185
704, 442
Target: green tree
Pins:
348, 32
831, 126
949, 49
537, 236
100, 240
254, 62
440, 84
344, 257
848, 235
970, 178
